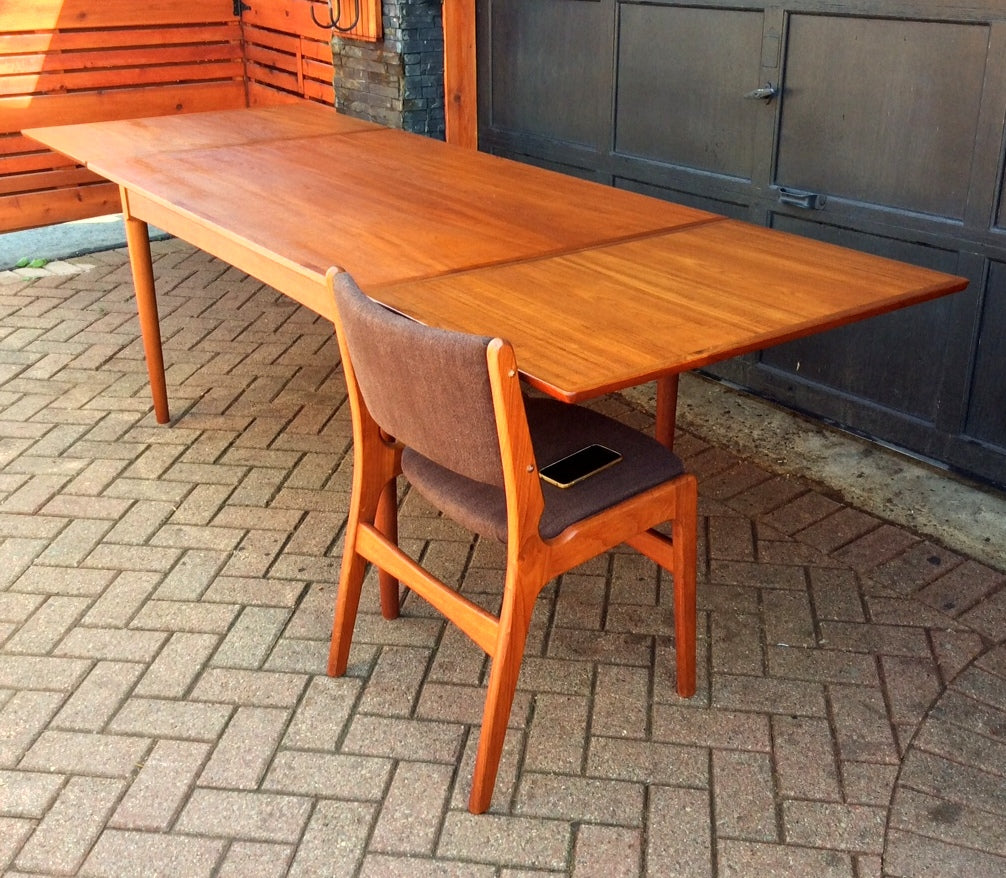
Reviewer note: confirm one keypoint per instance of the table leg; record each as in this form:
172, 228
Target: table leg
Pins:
387, 523
667, 408
146, 306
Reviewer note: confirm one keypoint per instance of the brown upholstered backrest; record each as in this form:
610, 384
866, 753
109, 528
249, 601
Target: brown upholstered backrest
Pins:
427, 387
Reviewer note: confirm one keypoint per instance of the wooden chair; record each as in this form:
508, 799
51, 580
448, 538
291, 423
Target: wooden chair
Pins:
446, 409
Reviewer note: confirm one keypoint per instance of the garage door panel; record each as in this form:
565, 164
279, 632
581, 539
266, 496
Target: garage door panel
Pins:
548, 70
882, 111
735, 209
682, 73
895, 360
987, 410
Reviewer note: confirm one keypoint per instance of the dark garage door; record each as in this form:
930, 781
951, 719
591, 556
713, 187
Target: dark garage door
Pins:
878, 125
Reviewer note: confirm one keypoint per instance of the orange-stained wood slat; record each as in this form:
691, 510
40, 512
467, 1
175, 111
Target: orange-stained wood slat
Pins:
32, 162
44, 208
42, 15
44, 180
153, 73
128, 103
43, 42
260, 94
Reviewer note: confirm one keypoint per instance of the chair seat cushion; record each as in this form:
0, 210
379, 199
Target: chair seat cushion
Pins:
557, 430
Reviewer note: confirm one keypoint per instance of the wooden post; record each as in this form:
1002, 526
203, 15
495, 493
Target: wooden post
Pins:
460, 90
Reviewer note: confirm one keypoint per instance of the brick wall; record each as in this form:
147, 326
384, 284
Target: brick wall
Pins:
399, 80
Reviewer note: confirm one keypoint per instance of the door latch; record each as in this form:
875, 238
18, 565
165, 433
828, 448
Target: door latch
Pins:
765, 93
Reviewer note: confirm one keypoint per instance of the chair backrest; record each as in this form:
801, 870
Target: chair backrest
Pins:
427, 387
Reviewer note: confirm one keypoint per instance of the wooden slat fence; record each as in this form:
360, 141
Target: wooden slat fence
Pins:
65, 61
285, 51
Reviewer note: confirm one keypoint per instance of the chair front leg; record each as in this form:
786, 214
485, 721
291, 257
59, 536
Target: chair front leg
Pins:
683, 534
347, 603
515, 620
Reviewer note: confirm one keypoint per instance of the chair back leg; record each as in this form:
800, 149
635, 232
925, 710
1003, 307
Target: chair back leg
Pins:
387, 524
376, 465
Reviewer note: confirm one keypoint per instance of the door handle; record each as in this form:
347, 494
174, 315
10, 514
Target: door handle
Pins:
798, 198
765, 93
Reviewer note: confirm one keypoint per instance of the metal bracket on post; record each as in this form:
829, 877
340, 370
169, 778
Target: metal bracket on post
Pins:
239, 7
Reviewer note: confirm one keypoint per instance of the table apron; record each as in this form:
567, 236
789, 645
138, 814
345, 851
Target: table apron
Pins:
299, 283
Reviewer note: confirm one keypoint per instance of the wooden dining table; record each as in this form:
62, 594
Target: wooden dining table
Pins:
598, 288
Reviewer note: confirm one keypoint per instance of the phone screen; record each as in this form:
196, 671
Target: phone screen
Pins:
578, 465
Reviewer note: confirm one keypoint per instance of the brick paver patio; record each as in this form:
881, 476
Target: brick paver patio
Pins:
165, 603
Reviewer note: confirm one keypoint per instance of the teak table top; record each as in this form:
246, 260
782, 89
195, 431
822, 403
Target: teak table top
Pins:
597, 288
306, 186
614, 316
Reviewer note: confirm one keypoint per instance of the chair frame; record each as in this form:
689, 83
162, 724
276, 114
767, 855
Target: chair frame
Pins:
531, 562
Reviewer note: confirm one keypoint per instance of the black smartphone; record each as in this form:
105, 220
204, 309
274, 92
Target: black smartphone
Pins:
577, 466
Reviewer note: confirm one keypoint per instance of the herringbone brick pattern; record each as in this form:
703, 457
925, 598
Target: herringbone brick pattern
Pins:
165, 604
